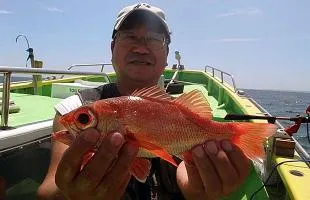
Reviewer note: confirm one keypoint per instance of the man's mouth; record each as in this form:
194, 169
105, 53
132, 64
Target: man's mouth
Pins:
140, 62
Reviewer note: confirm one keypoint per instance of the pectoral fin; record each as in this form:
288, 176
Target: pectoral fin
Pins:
153, 148
158, 151
140, 169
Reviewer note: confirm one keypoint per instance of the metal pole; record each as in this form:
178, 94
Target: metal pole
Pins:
5, 100
234, 84
37, 79
222, 78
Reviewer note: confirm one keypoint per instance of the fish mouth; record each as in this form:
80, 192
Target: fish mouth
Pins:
63, 136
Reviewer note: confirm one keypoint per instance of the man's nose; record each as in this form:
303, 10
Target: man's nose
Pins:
141, 47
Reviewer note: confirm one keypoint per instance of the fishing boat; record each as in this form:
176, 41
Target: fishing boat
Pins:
28, 110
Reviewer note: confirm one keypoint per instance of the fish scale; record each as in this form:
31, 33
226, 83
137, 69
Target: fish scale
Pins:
182, 134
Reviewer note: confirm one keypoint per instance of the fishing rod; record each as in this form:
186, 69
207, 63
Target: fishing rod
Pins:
272, 119
29, 50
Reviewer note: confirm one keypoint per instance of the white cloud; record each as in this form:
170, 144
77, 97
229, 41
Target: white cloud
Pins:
231, 40
54, 9
5, 12
245, 11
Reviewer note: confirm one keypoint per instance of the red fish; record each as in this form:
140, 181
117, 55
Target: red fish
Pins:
161, 126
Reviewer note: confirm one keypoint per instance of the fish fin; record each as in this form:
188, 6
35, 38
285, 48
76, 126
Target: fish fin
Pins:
153, 92
249, 137
140, 169
158, 151
196, 103
64, 137
153, 148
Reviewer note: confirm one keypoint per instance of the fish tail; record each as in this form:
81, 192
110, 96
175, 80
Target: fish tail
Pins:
249, 137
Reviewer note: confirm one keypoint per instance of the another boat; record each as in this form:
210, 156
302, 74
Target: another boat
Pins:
27, 113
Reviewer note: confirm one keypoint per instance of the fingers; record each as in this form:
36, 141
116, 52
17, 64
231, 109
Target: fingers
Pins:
106, 174
117, 179
221, 166
189, 181
122, 165
71, 161
97, 167
224, 168
211, 181
113, 191
240, 162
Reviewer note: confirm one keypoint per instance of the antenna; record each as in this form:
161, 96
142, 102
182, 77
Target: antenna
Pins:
29, 50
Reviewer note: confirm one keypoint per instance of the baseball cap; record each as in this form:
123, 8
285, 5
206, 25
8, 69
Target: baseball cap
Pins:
141, 7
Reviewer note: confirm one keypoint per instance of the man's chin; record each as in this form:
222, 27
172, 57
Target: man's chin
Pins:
140, 79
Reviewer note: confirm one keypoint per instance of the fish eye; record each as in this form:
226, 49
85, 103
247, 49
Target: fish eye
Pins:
83, 118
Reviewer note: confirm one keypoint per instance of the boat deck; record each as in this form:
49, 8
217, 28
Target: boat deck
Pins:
218, 112
33, 108
294, 172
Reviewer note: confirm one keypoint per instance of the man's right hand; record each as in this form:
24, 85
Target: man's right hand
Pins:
106, 174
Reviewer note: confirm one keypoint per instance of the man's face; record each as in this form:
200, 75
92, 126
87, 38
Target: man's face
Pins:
138, 61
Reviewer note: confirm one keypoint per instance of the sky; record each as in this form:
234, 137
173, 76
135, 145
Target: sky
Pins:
264, 44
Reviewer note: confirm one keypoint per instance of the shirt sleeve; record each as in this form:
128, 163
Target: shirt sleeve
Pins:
68, 104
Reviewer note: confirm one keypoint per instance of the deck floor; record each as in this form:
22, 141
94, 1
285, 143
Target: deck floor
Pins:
33, 108
217, 112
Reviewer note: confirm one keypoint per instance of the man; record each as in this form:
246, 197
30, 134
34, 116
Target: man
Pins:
139, 48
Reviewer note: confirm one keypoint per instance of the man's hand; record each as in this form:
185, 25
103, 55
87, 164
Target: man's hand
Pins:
106, 174
218, 169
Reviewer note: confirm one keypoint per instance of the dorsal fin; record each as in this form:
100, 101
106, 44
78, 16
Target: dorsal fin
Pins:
154, 92
195, 102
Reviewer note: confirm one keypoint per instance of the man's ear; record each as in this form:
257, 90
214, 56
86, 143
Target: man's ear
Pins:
112, 45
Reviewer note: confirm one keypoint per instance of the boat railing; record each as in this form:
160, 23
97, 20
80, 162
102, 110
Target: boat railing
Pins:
102, 65
90, 65
222, 73
8, 71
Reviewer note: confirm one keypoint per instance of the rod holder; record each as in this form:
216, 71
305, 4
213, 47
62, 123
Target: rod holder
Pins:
5, 100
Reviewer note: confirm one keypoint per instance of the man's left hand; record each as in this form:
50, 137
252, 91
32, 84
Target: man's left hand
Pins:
217, 169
